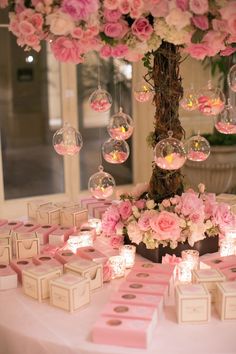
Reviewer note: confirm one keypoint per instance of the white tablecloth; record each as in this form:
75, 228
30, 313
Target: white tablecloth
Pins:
29, 327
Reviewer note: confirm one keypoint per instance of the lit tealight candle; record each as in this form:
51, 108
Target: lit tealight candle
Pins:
84, 239
96, 224
118, 266
128, 252
191, 256
184, 272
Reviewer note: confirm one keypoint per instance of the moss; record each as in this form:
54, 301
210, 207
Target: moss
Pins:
220, 139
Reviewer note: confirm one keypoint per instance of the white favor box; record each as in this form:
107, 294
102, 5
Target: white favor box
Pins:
209, 277
226, 300
60, 235
48, 214
5, 253
27, 227
5, 237
27, 245
18, 265
8, 278
87, 269
69, 292
193, 303
34, 205
43, 233
35, 281
73, 216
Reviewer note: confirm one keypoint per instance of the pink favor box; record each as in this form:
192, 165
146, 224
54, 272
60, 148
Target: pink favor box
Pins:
86, 201
18, 265
145, 277
65, 256
27, 227
43, 233
142, 288
8, 277
92, 254
61, 235
154, 267
122, 332
46, 259
3, 222
220, 262
11, 225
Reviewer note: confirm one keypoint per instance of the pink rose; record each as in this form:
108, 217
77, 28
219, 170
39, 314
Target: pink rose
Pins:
232, 24
61, 24
116, 241
178, 18
37, 21
209, 203
3, 3
227, 51
166, 225
125, 209
111, 4
166, 203
190, 203
198, 51
106, 51
222, 216
120, 51
67, 50
112, 15
197, 216
183, 4
219, 25
80, 9
115, 29
142, 29
26, 28
134, 232
144, 220
110, 219
140, 204
159, 8
228, 10
14, 26
199, 7
201, 22
124, 6
77, 33
107, 272
32, 41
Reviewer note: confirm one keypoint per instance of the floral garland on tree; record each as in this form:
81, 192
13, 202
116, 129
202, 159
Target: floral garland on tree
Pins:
190, 217
123, 28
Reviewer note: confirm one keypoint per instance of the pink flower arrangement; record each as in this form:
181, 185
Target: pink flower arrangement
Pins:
190, 217
123, 28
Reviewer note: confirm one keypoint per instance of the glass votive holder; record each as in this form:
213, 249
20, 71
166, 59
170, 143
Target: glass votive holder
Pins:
117, 266
227, 247
128, 252
83, 239
184, 272
96, 224
191, 256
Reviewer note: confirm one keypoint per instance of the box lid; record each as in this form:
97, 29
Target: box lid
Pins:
74, 210
228, 287
41, 270
191, 290
82, 265
207, 275
69, 280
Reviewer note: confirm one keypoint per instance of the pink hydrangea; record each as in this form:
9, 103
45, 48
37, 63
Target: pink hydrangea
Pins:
232, 24
110, 219
80, 9
190, 203
222, 216
125, 209
198, 51
144, 220
159, 8
166, 225
142, 29
209, 204
227, 51
134, 232
67, 50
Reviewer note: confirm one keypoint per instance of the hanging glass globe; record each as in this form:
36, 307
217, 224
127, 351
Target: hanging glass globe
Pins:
101, 184
169, 153
190, 100
143, 92
226, 120
197, 148
211, 100
120, 126
67, 140
100, 100
115, 151
232, 78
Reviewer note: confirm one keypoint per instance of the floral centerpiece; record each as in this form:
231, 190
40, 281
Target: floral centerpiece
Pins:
185, 219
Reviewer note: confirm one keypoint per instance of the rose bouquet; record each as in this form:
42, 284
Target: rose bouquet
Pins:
190, 217
123, 28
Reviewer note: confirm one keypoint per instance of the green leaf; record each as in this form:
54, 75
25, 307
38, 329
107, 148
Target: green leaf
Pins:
197, 36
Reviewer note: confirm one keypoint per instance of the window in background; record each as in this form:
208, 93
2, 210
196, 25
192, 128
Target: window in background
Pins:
30, 110
116, 78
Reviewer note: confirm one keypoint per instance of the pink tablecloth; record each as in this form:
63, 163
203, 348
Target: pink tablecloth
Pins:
27, 327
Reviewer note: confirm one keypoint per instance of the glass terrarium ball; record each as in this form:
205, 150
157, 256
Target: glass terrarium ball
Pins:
101, 184
232, 78
100, 100
120, 126
226, 121
169, 153
197, 148
143, 92
190, 100
115, 151
67, 140
211, 100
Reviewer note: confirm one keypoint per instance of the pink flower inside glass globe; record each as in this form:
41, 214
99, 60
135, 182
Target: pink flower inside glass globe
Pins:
197, 148
169, 153
120, 126
101, 184
211, 101
100, 100
115, 151
143, 92
190, 101
67, 141
226, 121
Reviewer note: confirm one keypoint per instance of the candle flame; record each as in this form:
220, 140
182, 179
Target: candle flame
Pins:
169, 158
